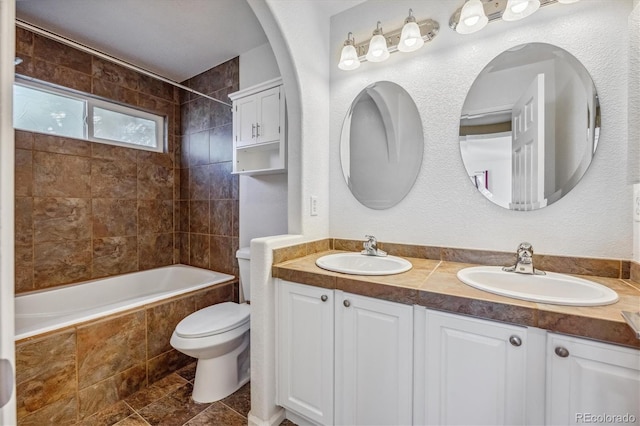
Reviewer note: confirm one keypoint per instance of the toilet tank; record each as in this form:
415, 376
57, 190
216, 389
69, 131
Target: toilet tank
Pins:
244, 264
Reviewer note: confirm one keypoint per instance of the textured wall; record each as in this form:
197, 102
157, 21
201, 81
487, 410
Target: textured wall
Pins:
443, 209
208, 191
86, 210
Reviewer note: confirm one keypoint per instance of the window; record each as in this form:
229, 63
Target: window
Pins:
54, 110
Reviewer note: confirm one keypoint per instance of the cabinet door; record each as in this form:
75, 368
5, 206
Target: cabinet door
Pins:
474, 374
374, 361
268, 120
305, 350
245, 120
587, 379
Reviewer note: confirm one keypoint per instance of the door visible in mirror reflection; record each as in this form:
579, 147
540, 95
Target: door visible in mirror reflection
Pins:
529, 126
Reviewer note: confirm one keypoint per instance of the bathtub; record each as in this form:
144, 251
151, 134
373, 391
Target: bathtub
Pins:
47, 310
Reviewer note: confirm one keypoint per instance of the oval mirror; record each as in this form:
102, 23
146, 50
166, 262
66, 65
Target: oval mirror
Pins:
381, 145
529, 126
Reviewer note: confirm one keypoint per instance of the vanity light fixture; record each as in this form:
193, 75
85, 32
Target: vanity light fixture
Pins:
378, 50
475, 14
409, 38
349, 56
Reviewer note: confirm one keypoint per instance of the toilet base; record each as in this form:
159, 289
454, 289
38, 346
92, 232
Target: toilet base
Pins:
219, 377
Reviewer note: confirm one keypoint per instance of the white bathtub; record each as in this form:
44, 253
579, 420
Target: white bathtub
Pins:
46, 310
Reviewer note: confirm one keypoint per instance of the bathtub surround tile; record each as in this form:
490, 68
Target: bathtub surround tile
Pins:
199, 183
112, 152
221, 218
45, 372
114, 255
184, 248
109, 416
218, 294
222, 254
113, 91
61, 412
61, 54
114, 218
23, 139
199, 250
199, 217
23, 173
155, 182
61, 262
155, 216
23, 212
199, 149
155, 250
108, 392
225, 186
60, 219
110, 347
114, 178
59, 175
59, 145
113, 73
162, 320
221, 144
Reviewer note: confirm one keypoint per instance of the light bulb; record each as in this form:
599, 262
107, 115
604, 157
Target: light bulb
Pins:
349, 56
410, 38
518, 9
378, 50
472, 17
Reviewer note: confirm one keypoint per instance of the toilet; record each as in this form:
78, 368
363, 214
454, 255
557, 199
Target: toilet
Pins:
218, 336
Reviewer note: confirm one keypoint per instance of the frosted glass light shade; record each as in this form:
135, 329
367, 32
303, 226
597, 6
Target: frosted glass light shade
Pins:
568, 1
410, 39
378, 50
348, 58
472, 18
518, 9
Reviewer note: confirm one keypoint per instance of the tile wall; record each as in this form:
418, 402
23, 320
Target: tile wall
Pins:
208, 230
86, 210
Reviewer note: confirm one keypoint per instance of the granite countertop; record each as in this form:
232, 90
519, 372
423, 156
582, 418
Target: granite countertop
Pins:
433, 284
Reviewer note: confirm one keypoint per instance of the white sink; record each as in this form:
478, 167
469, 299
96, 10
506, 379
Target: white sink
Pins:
360, 264
557, 289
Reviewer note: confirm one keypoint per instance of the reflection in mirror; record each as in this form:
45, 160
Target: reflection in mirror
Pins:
529, 126
381, 145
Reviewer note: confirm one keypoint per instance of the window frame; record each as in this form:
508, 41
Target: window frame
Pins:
91, 102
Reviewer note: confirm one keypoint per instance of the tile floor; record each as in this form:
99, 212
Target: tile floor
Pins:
168, 402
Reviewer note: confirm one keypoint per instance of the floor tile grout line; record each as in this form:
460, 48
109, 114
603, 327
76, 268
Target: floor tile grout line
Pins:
233, 409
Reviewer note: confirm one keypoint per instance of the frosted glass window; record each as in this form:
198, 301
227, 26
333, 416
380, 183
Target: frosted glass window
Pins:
51, 109
47, 112
120, 127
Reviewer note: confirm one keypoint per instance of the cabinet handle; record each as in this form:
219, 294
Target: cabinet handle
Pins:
253, 131
346, 303
515, 340
324, 298
257, 130
562, 352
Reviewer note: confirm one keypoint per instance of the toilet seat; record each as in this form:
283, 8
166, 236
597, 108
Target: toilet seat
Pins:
216, 319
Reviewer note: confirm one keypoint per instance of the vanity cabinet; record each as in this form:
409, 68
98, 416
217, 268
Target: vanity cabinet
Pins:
587, 379
259, 128
371, 342
305, 345
374, 361
469, 371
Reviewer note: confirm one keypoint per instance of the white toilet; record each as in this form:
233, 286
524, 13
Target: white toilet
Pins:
218, 336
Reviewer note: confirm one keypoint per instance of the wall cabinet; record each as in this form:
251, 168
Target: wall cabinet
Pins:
259, 129
588, 381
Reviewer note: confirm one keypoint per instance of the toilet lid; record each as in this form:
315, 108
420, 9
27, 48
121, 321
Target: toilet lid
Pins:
215, 319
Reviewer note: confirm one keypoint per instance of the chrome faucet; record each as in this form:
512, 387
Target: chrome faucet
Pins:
524, 261
371, 247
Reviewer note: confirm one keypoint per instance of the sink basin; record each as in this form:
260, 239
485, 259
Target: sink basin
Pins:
360, 264
557, 289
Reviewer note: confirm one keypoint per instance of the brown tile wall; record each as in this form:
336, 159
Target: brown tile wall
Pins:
208, 225
65, 377
87, 210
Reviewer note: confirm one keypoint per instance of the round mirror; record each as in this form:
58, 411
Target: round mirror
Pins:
529, 126
381, 145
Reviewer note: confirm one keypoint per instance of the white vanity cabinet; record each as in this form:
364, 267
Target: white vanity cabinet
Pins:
304, 334
588, 381
259, 128
374, 361
470, 371
371, 342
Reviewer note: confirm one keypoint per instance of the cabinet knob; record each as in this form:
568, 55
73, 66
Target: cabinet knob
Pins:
346, 303
515, 340
562, 352
324, 297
